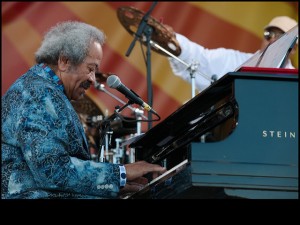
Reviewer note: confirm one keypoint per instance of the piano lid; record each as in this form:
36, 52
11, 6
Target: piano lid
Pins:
275, 54
214, 109
202, 113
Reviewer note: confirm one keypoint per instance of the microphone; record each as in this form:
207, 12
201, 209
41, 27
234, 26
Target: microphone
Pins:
114, 81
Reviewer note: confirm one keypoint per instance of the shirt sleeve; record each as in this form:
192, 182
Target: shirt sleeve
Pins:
207, 62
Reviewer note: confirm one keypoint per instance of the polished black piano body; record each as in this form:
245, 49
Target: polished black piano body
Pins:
239, 136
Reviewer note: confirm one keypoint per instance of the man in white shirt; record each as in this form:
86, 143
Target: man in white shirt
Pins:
215, 63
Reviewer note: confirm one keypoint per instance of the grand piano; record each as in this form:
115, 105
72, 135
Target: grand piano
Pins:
236, 139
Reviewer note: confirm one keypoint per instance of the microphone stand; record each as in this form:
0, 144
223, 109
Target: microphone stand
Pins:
141, 28
105, 131
101, 87
106, 125
145, 29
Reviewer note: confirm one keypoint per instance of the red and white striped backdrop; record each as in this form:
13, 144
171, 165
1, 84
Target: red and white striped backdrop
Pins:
237, 25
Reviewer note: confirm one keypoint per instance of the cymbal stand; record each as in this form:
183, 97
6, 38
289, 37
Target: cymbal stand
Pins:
118, 152
144, 30
139, 114
191, 67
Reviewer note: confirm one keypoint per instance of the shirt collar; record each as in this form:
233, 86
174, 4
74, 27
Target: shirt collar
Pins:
52, 75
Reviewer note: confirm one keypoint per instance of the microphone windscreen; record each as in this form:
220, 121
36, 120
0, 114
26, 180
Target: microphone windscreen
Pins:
113, 81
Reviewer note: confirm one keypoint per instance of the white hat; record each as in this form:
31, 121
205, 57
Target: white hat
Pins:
284, 23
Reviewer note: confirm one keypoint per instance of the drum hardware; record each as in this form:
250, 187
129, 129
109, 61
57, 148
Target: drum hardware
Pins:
118, 125
89, 115
118, 152
131, 154
163, 41
91, 118
147, 28
131, 19
138, 114
107, 153
105, 132
94, 119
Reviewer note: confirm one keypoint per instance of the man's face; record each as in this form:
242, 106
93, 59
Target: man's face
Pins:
78, 79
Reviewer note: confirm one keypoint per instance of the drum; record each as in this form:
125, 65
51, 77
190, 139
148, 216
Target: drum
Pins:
90, 116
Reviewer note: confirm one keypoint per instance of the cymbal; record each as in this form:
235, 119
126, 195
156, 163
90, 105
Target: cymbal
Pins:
86, 106
131, 17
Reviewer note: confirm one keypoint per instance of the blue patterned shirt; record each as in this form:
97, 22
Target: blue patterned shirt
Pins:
44, 148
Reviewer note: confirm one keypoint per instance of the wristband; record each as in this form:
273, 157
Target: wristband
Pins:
122, 176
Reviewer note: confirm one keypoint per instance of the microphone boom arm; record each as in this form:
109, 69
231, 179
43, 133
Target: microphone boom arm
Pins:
102, 88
